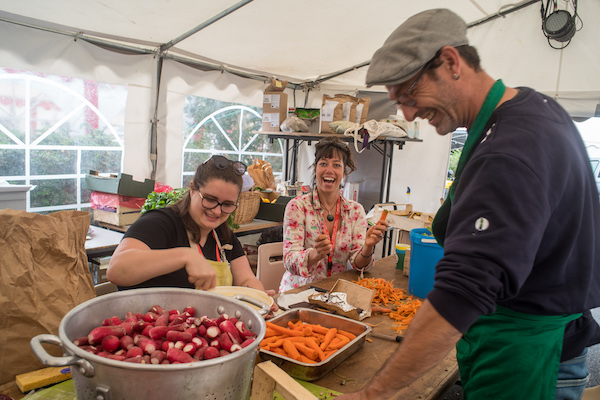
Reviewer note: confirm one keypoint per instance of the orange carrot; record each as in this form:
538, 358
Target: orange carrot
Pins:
291, 350
328, 337
347, 334
307, 351
384, 214
284, 331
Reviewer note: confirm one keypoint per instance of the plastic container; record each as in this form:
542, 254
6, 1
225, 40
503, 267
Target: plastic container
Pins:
425, 253
401, 252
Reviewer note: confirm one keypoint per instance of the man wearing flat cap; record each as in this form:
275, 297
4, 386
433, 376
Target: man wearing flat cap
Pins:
518, 278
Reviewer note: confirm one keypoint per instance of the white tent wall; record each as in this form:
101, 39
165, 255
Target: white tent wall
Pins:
179, 81
33, 50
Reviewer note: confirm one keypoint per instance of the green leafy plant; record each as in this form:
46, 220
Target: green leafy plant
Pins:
163, 199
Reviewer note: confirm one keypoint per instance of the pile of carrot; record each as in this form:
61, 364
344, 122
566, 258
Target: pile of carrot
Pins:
392, 301
304, 342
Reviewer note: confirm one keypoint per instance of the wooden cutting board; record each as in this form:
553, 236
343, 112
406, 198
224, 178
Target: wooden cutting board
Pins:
320, 392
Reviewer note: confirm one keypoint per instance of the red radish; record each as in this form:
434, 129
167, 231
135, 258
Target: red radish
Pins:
199, 354
199, 341
158, 332
157, 357
208, 322
211, 352
134, 352
147, 344
115, 320
128, 327
150, 316
126, 342
234, 348
106, 322
213, 332
106, 354
130, 314
139, 316
139, 325
146, 330
179, 344
176, 335
136, 360
231, 330
90, 349
82, 341
156, 309
224, 352
167, 345
225, 341
190, 310
190, 348
166, 361
99, 333
173, 311
192, 330
222, 317
215, 343
176, 355
163, 319
201, 330
244, 333
176, 319
247, 342
111, 343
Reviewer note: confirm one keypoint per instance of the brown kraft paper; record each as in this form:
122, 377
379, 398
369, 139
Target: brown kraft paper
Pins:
44, 274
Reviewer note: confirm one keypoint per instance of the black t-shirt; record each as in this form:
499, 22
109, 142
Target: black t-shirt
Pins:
163, 229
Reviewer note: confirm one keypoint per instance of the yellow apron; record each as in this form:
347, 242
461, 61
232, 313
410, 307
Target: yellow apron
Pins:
222, 268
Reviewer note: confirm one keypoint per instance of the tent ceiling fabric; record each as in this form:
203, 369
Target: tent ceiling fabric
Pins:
303, 40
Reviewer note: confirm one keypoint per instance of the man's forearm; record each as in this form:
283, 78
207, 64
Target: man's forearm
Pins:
427, 341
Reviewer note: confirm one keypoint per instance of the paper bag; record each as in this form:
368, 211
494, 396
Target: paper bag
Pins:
44, 274
262, 173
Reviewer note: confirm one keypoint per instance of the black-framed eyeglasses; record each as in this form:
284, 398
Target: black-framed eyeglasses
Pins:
405, 99
222, 162
210, 204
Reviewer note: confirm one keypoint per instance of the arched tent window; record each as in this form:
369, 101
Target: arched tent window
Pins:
215, 127
53, 130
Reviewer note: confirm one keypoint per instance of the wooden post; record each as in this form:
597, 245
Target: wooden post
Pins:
268, 378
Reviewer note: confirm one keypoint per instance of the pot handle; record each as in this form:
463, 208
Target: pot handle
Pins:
85, 367
264, 308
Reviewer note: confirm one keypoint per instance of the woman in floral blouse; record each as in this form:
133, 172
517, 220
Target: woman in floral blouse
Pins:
323, 232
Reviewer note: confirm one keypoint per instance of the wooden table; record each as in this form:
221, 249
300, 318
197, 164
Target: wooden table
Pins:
103, 243
256, 226
358, 369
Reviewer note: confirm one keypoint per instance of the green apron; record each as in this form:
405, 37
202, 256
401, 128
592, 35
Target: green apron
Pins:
511, 355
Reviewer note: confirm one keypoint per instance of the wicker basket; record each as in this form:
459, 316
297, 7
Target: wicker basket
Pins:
248, 205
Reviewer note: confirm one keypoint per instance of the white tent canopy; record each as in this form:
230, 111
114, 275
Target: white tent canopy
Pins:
305, 42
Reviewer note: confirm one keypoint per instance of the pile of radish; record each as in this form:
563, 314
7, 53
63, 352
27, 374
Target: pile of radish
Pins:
166, 337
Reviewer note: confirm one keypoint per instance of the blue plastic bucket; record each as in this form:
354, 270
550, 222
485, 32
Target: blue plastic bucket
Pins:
425, 253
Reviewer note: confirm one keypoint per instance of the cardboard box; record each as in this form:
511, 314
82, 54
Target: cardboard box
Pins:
121, 216
273, 211
357, 296
120, 184
274, 106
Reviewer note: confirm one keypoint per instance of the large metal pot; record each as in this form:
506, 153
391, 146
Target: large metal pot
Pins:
96, 377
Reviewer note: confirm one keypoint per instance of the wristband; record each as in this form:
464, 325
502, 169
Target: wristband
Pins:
369, 256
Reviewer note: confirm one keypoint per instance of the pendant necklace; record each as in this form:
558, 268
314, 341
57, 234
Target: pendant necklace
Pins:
329, 215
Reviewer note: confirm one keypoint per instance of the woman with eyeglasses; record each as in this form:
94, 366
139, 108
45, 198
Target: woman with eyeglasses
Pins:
325, 233
188, 244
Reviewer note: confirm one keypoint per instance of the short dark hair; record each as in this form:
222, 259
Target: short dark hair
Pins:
205, 172
467, 52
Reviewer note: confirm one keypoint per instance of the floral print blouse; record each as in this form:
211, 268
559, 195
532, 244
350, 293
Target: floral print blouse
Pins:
302, 224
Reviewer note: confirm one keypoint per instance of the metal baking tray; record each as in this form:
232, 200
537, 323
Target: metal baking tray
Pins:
311, 372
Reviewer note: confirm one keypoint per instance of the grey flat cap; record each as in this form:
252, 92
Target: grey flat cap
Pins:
414, 43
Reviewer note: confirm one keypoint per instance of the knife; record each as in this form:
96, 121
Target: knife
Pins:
318, 289
396, 338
